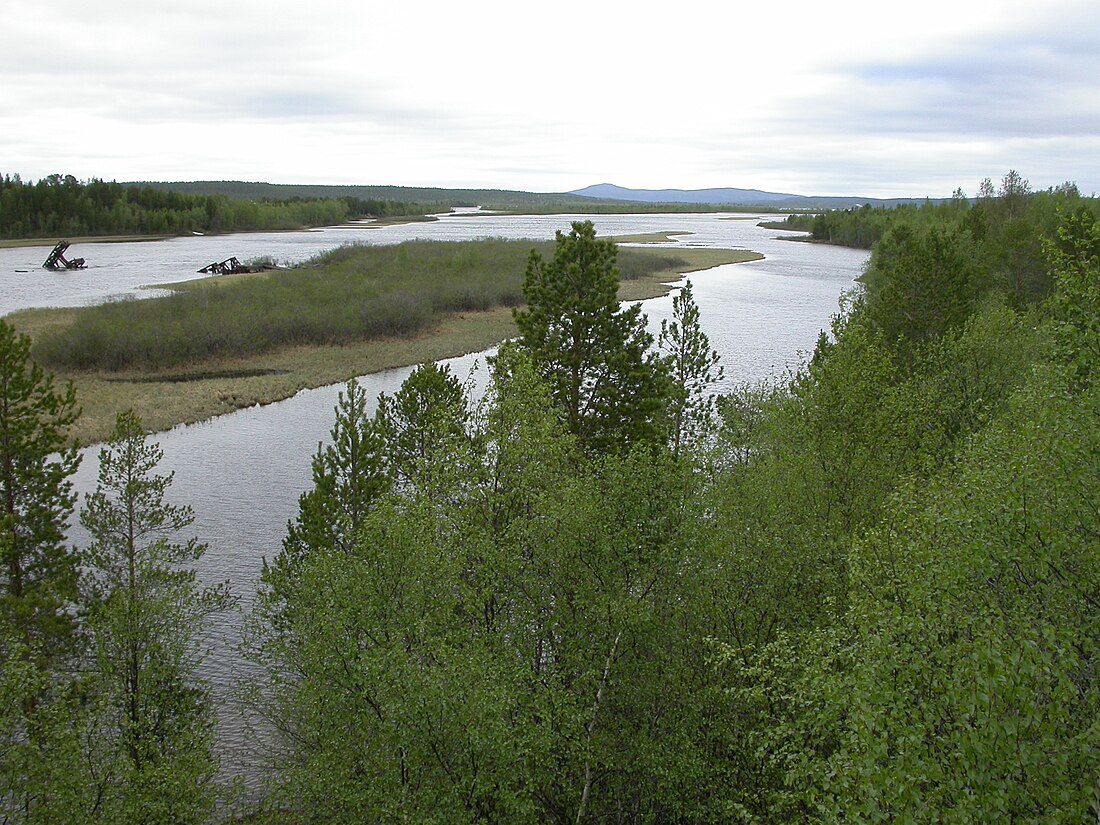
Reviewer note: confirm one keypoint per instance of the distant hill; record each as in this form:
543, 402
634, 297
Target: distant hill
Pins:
730, 196
408, 194
602, 198
609, 191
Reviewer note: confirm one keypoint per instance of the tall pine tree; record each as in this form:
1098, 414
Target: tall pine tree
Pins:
37, 460
694, 370
145, 614
594, 355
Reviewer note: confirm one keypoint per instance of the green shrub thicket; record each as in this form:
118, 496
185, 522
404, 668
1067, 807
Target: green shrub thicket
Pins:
872, 597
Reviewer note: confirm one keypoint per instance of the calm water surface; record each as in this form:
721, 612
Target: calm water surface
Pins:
242, 473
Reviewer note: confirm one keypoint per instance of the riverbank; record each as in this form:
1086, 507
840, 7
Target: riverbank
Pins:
648, 237
18, 243
219, 386
378, 223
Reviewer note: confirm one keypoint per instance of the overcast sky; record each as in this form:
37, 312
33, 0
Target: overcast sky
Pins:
816, 98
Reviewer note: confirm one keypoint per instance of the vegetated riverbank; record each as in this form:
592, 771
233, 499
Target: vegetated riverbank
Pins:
648, 237
14, 243
793, 223
376, 223
60, 206
196, 388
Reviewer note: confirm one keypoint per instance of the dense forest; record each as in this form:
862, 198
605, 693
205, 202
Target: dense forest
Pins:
868, 591
62, 206
1011, 210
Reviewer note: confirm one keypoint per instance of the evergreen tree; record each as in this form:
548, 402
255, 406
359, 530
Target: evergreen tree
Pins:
44, 775
145, 614
427, 417
694, 369
39, 574
348, 475
594, 355
921, 283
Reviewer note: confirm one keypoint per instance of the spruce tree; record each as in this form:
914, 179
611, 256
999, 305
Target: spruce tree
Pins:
694, 370
145, 616
594, 355
427, 417
37, 460
347, 477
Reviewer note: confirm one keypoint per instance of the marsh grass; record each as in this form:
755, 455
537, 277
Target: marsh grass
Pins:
649, 237
352, 293
177, 393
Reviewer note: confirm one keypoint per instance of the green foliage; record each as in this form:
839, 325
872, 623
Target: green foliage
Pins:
693, 368
63, 206
922, 283
593, 354
911, 576
42, 778
795, 222
1075, 258
1008, 228
36, 462
348, 475
859, 228
965, 685
426, 418
962, 379
44, 775
145, 616
520, 631
518, 640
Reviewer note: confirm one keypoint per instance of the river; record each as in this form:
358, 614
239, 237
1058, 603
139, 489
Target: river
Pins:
243, 472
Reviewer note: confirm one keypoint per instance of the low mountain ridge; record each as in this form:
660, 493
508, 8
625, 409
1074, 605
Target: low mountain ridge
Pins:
725, 196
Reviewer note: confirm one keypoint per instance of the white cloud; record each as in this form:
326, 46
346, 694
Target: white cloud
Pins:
848, 97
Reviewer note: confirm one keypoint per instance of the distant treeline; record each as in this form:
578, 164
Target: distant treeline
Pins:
442, 198
61, 205
1003, 209
502, 200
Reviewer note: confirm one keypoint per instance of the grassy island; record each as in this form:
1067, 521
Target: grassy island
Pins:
234, 341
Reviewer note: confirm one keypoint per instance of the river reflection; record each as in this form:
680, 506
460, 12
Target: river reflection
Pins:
243, 472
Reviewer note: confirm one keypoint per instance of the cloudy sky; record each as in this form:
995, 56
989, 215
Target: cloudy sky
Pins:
818, 98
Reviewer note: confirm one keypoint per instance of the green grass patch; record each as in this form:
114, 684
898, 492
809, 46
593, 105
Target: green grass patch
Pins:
649, 237
350, 294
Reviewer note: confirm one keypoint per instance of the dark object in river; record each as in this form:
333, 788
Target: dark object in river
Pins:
231, 266
57, 261
227, 267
